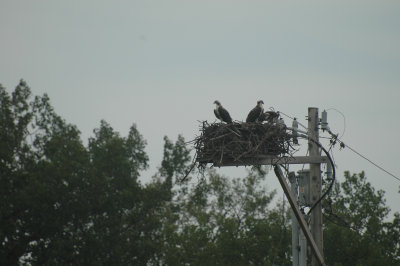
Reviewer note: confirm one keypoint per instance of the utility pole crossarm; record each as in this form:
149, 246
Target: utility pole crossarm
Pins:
273, 160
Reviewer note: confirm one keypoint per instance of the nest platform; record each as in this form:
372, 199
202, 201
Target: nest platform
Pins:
240, 143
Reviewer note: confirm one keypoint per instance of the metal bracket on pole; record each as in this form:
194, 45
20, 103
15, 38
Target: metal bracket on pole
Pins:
299, 216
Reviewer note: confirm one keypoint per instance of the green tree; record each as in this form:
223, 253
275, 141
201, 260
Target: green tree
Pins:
43, 163
356, 232
225, 221
63, 203
14, 151
174, 166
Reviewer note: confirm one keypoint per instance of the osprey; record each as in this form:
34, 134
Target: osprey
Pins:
256, 113
269, 116
221, 113
280, 123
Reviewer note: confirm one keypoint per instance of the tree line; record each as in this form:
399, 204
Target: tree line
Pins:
66, 203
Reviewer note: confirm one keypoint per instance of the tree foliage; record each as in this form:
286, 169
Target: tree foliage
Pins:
227, 222
357, 230
64, 203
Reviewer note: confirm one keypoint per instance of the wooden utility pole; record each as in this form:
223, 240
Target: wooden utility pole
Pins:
295, 224
319, 259
315, 182
314, 236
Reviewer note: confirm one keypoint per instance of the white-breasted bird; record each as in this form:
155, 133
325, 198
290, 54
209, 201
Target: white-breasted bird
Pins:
221, 113
256, 112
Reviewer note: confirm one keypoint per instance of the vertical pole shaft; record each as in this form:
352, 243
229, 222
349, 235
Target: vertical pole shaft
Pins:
304, 185
299, 215
303, 249
315, 182
295, 224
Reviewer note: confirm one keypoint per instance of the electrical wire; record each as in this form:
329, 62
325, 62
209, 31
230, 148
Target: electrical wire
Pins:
336, 138
344, 119
343, 145
362, 156
330, 159
333, 174
293, 119
333, 157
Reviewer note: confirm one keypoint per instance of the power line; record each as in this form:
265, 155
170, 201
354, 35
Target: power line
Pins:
362, 156
353, 150
333, 176
343, 145
344, 119
293, 119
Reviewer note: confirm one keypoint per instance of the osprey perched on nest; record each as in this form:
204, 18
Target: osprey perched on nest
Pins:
221, 113
269, 116
256, 113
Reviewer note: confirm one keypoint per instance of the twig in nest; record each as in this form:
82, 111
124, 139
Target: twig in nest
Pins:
222, 142
233, 132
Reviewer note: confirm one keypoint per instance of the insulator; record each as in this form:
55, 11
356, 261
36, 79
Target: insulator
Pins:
324, 121
295, 126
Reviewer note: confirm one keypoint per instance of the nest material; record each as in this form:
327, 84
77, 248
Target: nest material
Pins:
219, 143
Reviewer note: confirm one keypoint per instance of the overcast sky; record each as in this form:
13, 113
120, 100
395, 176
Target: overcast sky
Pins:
161, 65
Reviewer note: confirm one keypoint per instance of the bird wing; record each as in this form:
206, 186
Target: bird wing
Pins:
270, 116
217, 114
225, 116
262, 117
253, 114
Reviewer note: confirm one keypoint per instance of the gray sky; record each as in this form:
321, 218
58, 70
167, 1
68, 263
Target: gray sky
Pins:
161, 64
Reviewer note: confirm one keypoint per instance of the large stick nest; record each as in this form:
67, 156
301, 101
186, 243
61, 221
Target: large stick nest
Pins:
219, 143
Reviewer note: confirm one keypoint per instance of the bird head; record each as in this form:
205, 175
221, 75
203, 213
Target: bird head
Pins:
260, 102
217, 103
